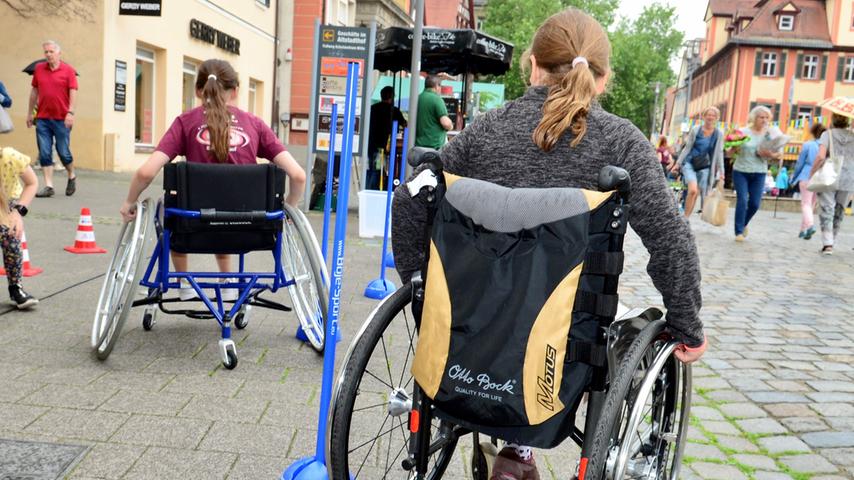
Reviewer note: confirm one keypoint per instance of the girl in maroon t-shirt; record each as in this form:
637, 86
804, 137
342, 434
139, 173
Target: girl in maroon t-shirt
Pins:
217, 132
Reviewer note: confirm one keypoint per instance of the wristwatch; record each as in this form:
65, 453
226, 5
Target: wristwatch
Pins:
21, 209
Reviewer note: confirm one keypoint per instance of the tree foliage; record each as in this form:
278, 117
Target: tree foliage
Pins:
641, 49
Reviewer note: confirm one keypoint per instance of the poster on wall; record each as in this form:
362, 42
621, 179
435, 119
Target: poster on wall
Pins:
337, 47
121, 86
145, 8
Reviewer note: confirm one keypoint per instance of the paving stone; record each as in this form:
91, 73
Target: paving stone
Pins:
19, 416
829, 439
761, 426
776, 397
789, 410
706, 413
809, 463
762, 475
831, 397
716, 427
253, 467
248, 438
726, 396
711, 383
700, 451
715, 471
804, 424
759, 462
840, 423
110, 461
66, 423
742, 410
834, 409
782, 444
839, 456
226, 409
789, 386
183, 433
167, 404
832, 386
738, 444
172, 463
71, 396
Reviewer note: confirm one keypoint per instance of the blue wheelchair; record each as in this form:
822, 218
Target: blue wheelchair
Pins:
221, 209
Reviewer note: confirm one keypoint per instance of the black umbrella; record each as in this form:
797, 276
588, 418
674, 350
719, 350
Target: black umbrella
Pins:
31, 68
453, 51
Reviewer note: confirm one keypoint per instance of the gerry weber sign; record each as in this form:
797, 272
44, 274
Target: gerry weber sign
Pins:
207, 33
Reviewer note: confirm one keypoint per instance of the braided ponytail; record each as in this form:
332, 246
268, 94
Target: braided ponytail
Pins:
574, 51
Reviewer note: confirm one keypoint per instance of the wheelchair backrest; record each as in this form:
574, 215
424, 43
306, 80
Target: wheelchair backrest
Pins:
518, 283
223, 188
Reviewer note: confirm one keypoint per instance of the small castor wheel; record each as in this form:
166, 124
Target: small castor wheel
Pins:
231, 361
148, 319
242, 318
482, 457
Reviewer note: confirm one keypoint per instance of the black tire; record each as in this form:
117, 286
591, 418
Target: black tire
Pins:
479, 466
147, 321
622, 395
240, 321
302, 259
356, 393
232, 360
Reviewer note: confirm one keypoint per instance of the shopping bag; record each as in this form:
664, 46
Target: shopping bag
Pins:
826, 179
715, 206
6, 125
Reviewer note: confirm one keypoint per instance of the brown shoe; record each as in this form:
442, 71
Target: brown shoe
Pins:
508, 466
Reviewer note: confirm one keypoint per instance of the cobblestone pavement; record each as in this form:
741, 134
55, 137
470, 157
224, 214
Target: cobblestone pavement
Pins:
774, 396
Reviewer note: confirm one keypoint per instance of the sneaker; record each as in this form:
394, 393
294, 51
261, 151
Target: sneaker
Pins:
186, 291
827, 250
745, 231
20, 298
809, 233
509, 466
71, 187
229, 294
45, 192
739, 238
802, 234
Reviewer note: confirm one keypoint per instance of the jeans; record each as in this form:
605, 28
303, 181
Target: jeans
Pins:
748, 191
372, 174
46, 131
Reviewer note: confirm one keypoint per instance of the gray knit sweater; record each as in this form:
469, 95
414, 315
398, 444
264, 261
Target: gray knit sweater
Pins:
497, 147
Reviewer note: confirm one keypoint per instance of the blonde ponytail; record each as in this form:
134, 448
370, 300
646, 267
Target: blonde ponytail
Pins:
573, 50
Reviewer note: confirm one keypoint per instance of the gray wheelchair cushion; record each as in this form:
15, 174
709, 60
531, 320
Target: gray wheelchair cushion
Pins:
507, 210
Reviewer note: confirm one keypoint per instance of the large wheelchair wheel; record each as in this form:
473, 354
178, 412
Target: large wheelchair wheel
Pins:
643, 426
305, 266
370, 434
121, 281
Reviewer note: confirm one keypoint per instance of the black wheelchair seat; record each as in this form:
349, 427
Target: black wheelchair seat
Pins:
232, 202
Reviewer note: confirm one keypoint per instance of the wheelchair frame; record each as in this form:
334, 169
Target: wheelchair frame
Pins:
615, 401
249, 284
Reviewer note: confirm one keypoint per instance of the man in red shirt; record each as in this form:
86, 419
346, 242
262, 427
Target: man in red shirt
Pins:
55, 90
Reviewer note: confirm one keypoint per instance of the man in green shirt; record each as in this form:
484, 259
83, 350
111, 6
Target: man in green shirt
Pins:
433, 120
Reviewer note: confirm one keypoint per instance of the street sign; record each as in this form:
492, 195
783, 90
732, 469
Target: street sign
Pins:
336, 48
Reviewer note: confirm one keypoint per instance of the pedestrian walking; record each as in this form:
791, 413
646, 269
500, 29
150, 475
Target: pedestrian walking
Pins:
751, 168
702, 159
832, 204
15, 199
54, 93
801, 177
433, 120
664, 154
557, 135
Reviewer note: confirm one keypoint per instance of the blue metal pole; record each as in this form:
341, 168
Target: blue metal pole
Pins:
330, 178
391, 163
402, 176
337, 259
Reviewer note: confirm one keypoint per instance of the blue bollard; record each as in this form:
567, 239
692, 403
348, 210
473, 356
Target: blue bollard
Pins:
380, 288
314, 468
389, 257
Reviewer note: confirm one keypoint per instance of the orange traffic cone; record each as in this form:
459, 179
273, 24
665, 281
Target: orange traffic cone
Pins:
29, 270
84, 242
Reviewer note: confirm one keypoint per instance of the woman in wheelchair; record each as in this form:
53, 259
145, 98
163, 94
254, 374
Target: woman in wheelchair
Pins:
503, 215
216, 132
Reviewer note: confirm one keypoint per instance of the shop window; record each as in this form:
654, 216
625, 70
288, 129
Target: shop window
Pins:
191, 70
848, 74
805, 114
810, 68
253, 94
787, 22
144, 103
769, 64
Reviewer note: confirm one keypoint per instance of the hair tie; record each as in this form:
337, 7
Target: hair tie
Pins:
212, 76
578, 60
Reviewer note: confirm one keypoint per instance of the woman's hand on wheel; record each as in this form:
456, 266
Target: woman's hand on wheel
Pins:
686, 354
128, 211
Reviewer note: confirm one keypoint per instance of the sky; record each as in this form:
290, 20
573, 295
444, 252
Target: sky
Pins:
689, 19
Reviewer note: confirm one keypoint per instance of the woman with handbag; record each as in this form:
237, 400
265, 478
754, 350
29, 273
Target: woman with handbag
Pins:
751, 168
837, 143
702, 159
